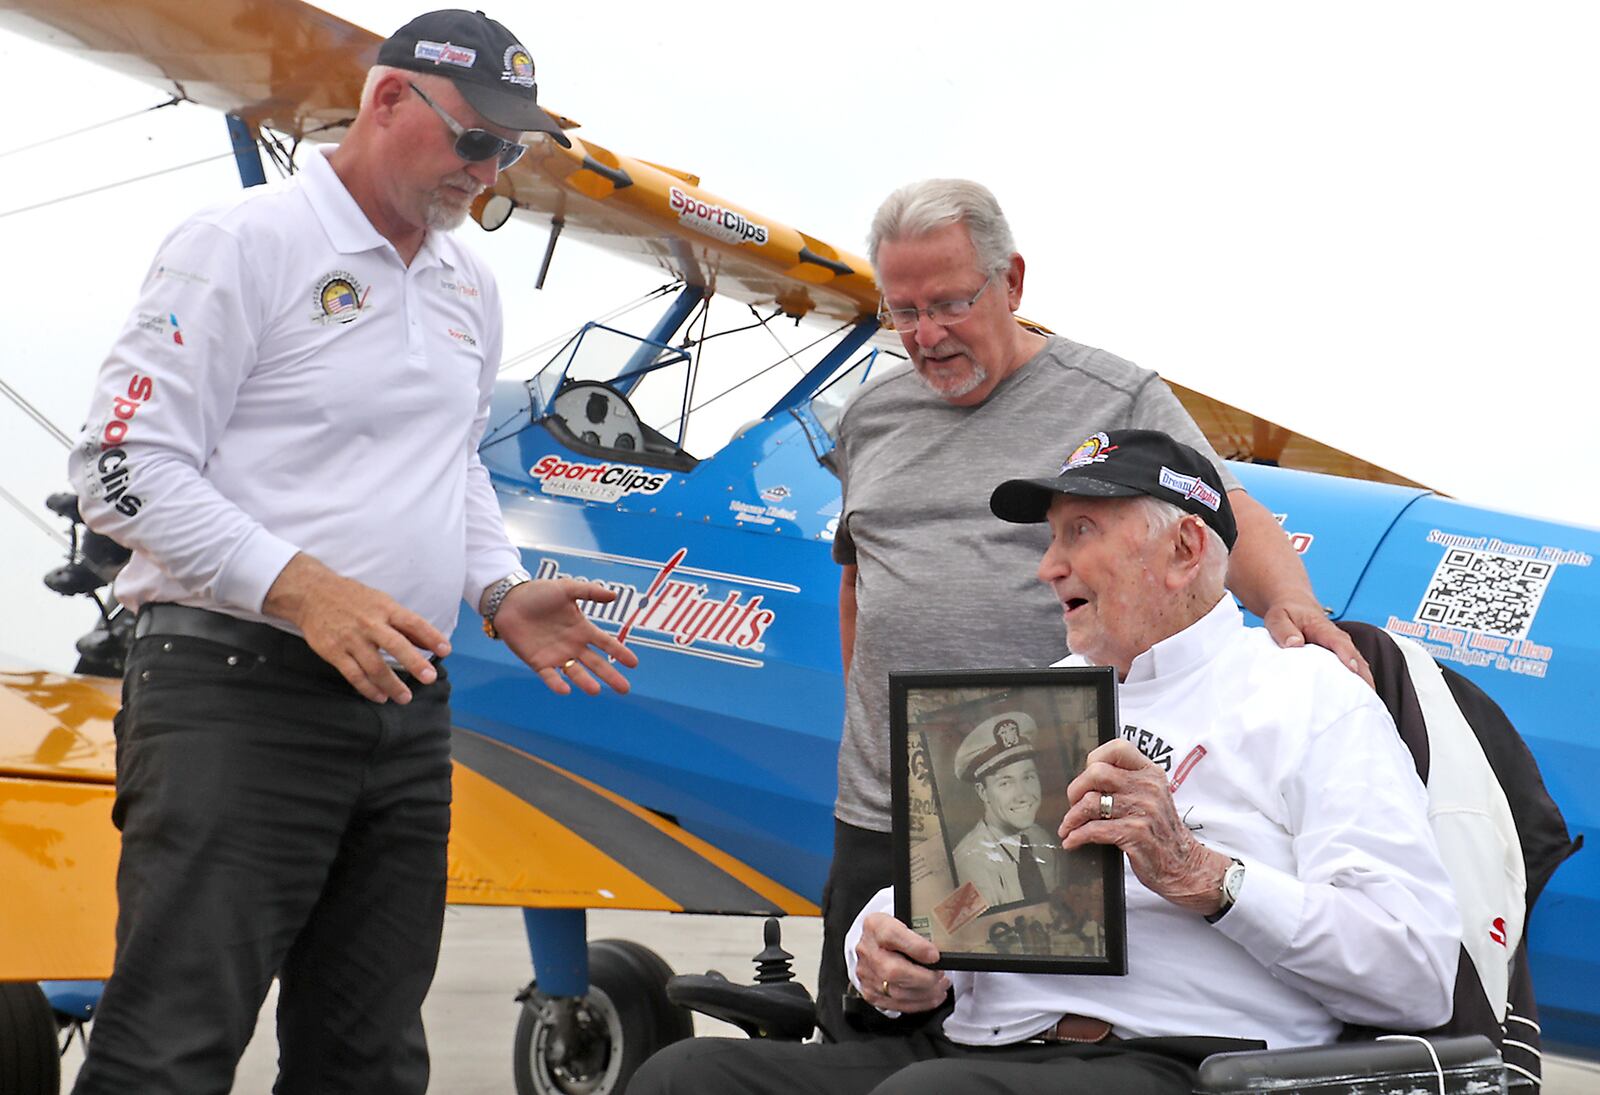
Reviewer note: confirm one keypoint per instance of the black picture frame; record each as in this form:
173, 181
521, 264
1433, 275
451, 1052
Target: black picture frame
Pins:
962, 838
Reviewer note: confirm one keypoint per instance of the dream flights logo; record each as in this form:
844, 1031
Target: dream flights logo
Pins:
683, 611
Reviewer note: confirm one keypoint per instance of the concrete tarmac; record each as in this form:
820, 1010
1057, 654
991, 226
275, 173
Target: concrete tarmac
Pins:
471, 1015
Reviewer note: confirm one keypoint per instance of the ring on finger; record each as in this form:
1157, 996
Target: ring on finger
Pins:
886, 990
568, 664
1106, 804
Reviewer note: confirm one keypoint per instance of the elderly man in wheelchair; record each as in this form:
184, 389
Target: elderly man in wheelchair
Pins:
1288, 887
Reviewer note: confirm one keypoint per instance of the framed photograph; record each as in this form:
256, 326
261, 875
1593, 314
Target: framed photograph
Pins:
981, 760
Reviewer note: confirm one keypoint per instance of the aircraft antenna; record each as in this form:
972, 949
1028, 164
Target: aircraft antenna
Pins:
174, 101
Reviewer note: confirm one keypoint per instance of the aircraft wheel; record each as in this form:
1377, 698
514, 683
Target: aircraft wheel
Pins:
30, 1061
625, 1018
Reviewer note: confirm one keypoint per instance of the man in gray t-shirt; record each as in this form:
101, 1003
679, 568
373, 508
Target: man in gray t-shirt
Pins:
930, 580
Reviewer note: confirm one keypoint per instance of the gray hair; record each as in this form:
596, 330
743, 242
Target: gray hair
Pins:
1162, 517
922, 207
428, 80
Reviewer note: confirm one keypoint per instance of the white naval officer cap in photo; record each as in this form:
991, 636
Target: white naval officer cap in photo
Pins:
994, 743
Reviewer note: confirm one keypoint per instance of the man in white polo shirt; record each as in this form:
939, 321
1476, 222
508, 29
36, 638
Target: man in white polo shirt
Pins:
285, 434
1282, 879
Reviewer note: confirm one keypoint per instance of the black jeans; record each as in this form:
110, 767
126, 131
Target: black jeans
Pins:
926, 1063
273, 822
862, 865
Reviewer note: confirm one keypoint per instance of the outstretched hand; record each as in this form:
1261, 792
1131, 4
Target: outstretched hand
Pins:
543, 625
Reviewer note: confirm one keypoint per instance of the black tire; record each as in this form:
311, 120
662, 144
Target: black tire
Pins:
30, 1060
625, 1019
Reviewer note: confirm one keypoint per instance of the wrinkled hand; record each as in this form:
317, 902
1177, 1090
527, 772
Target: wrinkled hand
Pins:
542, 624
1145, 824
1295, 623
351, 626
890, 953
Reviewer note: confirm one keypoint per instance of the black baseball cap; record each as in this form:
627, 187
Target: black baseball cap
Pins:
1121, 464
492, 70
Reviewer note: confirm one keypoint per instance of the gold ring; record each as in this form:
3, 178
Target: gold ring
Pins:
886, 991
568, 664
1106, 802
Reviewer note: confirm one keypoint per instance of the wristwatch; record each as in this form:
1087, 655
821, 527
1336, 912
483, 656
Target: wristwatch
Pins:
1232, 883
495, 596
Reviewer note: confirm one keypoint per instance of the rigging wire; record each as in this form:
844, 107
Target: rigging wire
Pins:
36, 414
113, 186
26, 511
174, 101
567, 336
766, 323
756, 376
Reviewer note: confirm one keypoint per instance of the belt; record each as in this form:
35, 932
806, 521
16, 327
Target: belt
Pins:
1076, 1028
268, 643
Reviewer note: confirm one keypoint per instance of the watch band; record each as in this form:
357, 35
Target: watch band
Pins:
495, 596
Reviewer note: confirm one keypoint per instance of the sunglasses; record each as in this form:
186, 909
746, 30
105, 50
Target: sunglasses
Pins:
476, 145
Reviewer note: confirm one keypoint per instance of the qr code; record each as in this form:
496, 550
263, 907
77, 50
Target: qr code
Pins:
1485, 591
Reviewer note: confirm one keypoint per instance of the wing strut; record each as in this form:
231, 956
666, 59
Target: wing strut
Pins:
246, 154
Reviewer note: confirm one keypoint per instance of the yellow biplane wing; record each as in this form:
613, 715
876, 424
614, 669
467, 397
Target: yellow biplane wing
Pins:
581, 847
287, 66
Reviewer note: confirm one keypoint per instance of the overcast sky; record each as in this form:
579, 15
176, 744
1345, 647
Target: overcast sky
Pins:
1373, 222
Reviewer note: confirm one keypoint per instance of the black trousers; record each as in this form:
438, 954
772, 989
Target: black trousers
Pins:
861, 867
273, 822
926, 1063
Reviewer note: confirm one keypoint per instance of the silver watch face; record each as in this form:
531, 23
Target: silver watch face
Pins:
1233, 882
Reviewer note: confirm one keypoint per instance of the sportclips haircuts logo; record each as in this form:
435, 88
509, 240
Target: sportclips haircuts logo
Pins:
112, 474
595, 482
727, 225
676, 604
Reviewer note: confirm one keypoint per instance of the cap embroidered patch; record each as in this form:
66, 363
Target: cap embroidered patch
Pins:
518, 66
443, 53
1093, 450
1190, 486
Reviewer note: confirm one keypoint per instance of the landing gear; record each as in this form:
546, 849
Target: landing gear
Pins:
593, 1045
29, 1057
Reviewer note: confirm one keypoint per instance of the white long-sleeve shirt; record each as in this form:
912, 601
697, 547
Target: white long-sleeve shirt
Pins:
286, 383
1346, 913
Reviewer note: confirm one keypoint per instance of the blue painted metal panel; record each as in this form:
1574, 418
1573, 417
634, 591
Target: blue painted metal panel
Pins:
729, 595
1511, 603
1336, 524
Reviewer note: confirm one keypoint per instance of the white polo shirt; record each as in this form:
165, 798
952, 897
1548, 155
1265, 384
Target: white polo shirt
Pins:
286, 383
1295, 768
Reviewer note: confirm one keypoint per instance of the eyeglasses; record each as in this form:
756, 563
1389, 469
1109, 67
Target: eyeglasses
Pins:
476, 145
945, 313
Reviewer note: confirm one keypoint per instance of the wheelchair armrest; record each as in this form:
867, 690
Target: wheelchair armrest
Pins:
1357, 1068
783, 1012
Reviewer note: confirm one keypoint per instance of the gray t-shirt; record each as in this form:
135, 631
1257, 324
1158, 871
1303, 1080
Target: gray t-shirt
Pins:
942, 583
